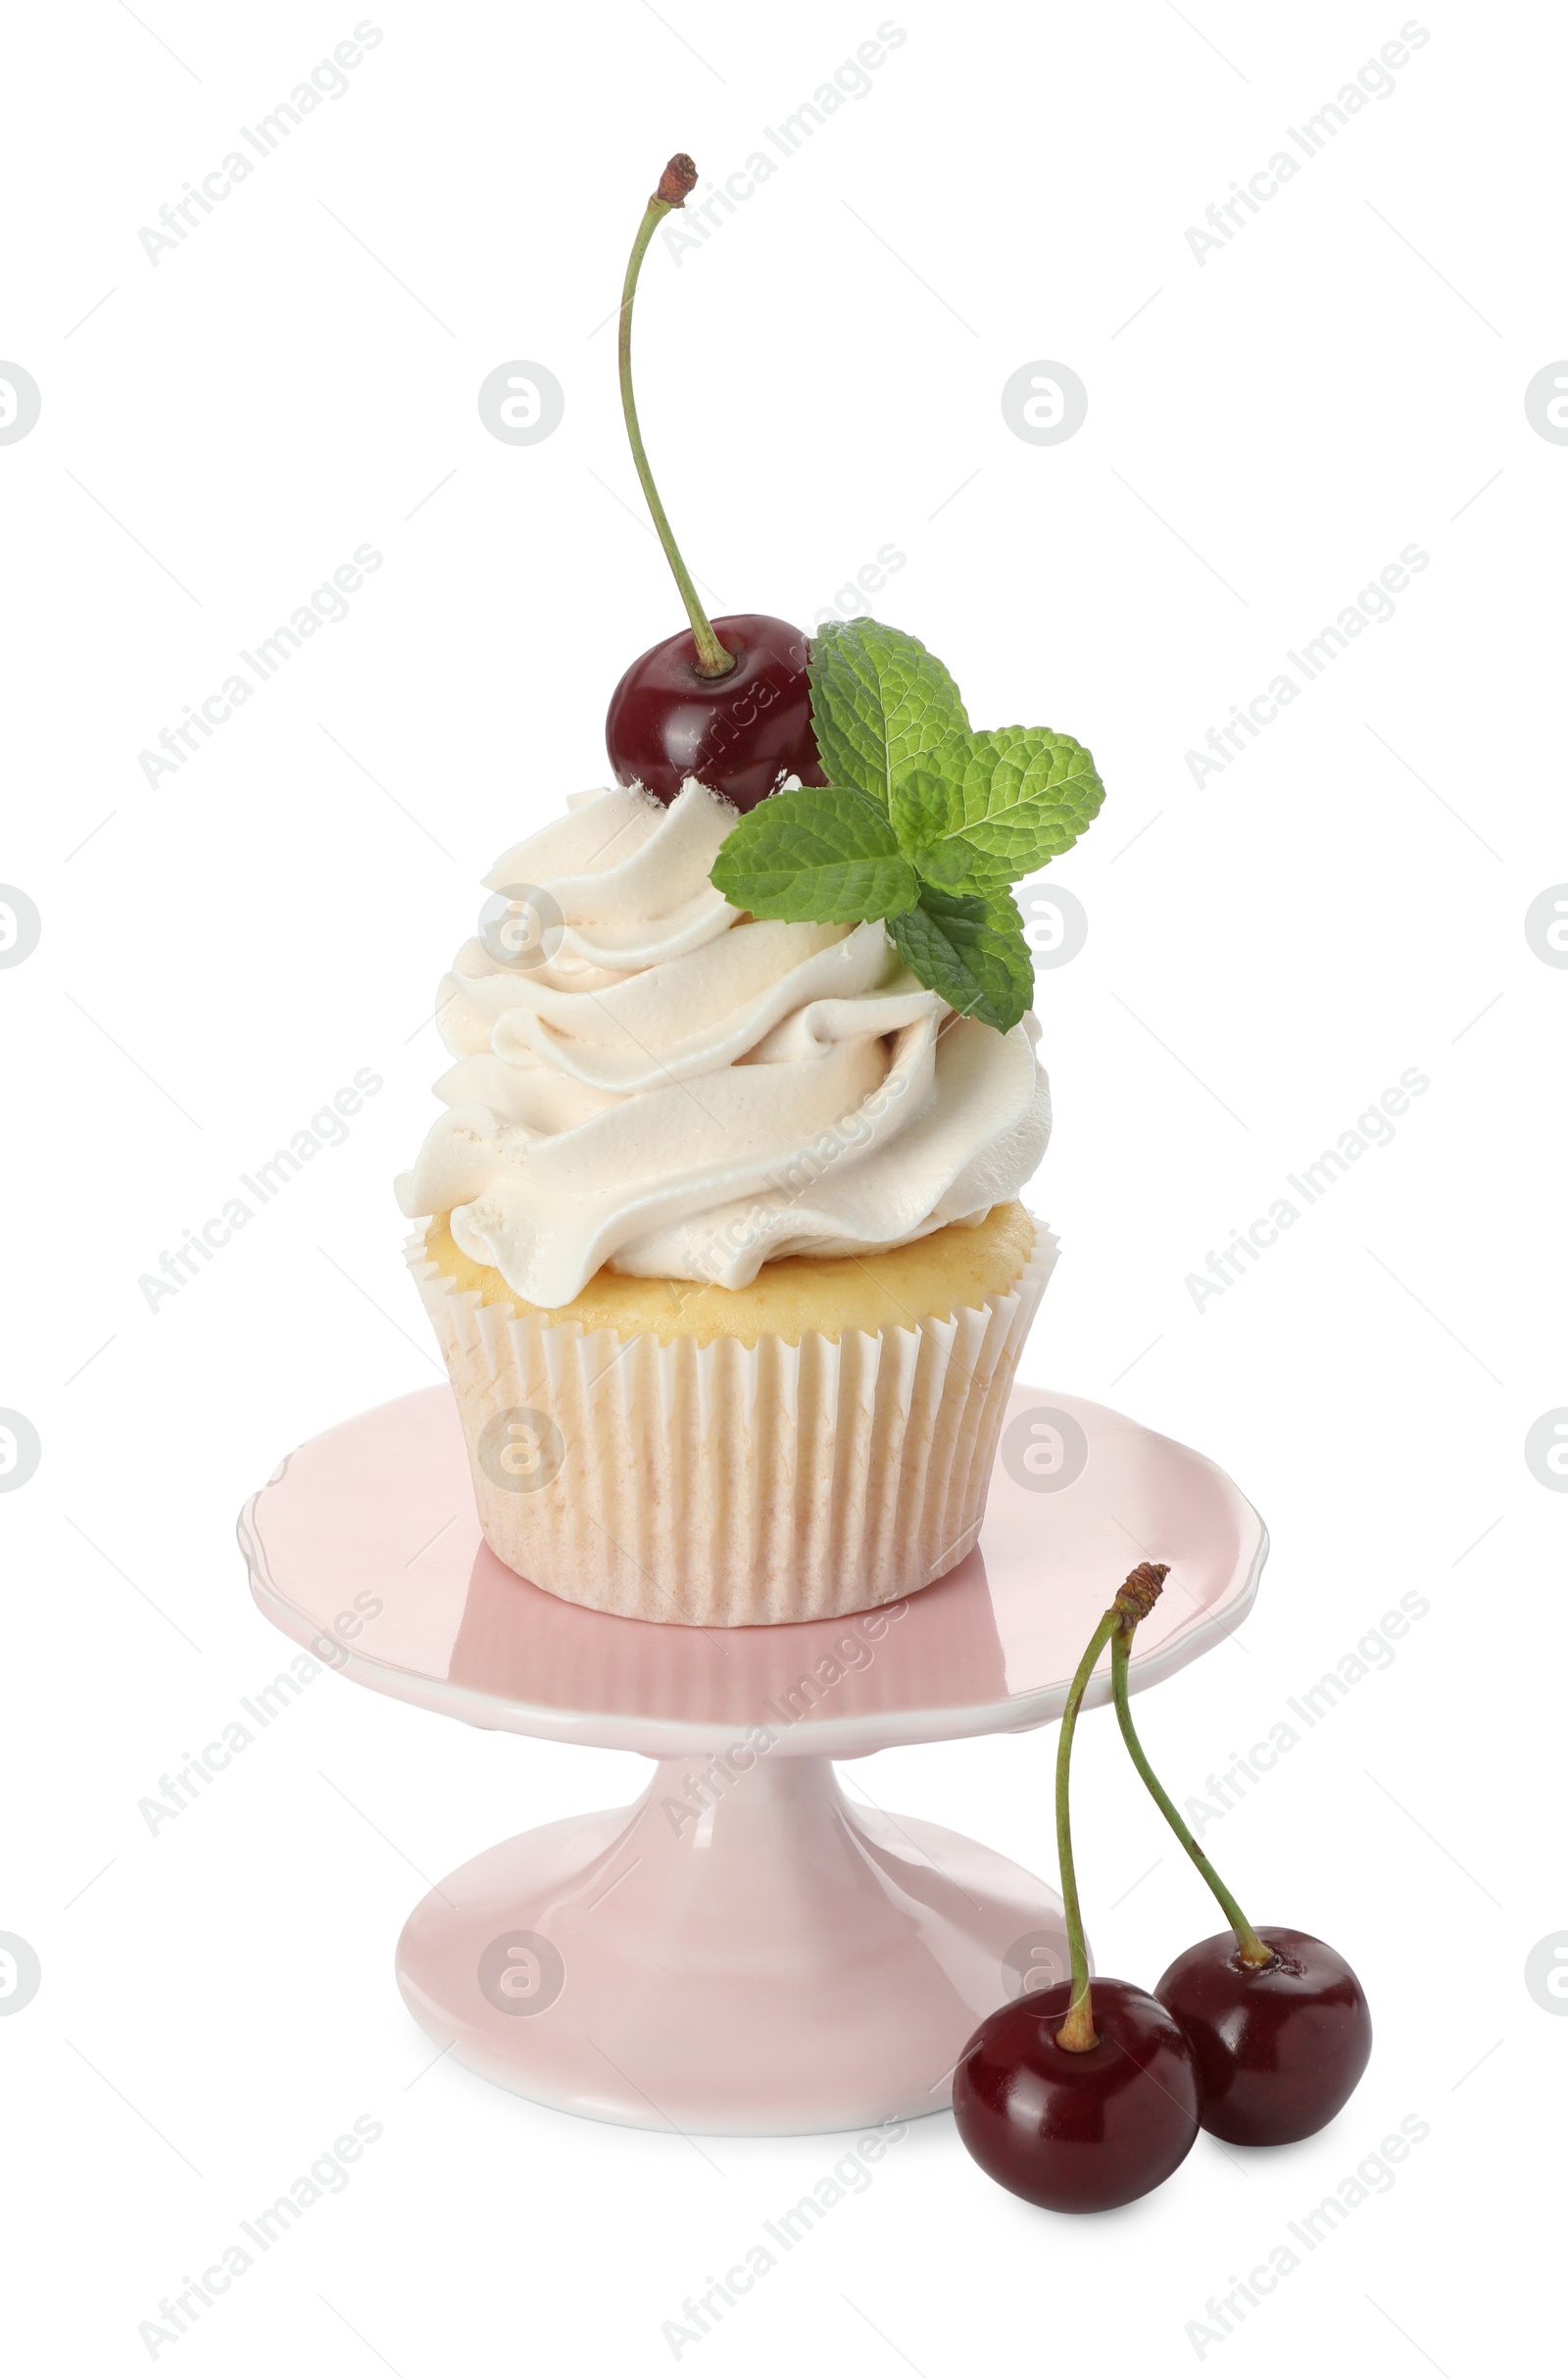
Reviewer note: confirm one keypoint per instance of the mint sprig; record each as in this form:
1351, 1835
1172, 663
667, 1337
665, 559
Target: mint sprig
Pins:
925, 825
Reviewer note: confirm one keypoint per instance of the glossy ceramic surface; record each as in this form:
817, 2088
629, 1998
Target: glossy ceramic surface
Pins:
365, 1549
757, 1956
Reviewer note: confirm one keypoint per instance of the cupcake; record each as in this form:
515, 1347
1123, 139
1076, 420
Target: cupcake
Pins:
721, 1234
723, 1242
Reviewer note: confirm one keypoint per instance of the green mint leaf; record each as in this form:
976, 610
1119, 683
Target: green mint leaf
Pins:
955, 866
879, 703
824, 855
929, 803
928, 821
969, 948
1026, 795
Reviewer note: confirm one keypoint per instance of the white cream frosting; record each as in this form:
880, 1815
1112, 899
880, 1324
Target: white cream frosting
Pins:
679, 1094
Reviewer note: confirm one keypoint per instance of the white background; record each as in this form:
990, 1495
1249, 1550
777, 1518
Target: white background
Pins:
1268, 952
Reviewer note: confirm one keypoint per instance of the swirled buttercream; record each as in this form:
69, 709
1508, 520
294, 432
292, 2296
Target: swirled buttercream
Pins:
661, 1084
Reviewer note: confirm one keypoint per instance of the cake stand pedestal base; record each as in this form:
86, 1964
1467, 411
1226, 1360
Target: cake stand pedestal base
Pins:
756, 1954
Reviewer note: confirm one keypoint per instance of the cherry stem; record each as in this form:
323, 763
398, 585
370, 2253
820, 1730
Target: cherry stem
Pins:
678, 177
1078, 2025
1254, 1952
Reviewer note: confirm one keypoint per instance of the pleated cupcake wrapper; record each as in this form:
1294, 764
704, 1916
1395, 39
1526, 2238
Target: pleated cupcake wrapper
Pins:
728, 1485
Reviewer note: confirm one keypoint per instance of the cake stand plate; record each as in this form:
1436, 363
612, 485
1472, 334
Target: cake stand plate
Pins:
744, 1948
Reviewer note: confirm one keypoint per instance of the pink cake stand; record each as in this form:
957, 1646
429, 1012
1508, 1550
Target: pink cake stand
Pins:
742, 1950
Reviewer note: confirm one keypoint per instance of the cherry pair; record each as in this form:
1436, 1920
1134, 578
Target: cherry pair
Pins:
1082, 2098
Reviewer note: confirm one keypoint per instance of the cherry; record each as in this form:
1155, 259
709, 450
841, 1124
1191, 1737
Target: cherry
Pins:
733, 710
1277, 2021
1074, 2098
741, 734
1279, 2047
1078, 2130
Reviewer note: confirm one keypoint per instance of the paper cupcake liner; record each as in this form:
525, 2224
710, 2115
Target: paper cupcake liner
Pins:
731, 1486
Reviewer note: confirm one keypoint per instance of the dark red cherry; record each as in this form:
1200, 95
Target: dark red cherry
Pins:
741, 734
1078, 2130
1279, 2047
